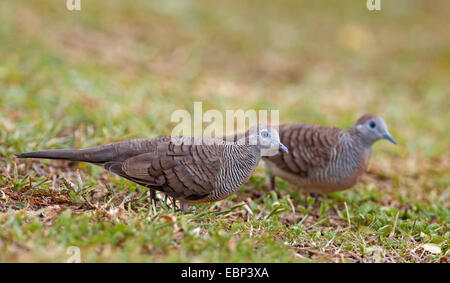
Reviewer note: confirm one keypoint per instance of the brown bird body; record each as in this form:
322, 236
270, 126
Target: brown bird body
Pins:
179, 167
326, 159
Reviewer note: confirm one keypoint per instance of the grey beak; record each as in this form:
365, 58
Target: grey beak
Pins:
388, 136
283, 147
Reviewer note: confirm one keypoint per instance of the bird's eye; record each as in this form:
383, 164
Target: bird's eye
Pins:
372, 124
264, 134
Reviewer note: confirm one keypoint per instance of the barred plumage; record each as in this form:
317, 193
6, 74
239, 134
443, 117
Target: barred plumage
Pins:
326, 159
178, 167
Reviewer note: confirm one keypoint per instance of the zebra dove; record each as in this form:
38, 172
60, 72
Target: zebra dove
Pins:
326, 159
180, 167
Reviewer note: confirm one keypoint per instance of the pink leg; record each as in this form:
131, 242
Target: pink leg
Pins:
152, 196
271, 182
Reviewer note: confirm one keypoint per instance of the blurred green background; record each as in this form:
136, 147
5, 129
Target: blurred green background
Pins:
123, 67
117, 70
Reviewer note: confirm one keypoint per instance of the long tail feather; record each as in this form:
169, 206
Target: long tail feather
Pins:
97, 155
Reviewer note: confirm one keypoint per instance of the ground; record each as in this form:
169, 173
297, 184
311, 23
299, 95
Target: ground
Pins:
116, 70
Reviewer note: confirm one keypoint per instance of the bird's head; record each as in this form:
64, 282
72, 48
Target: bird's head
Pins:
372, 128
267, 139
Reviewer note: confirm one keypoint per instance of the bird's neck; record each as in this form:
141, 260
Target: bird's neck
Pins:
242, 156
239, 162
359, 138
353, 142
352, 155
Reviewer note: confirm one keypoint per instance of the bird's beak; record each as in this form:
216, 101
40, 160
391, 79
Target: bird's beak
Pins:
387, 135
283, 147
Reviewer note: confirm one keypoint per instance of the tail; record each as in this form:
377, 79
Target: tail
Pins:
98, 155
117, 152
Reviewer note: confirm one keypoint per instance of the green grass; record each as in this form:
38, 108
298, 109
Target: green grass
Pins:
116, 71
